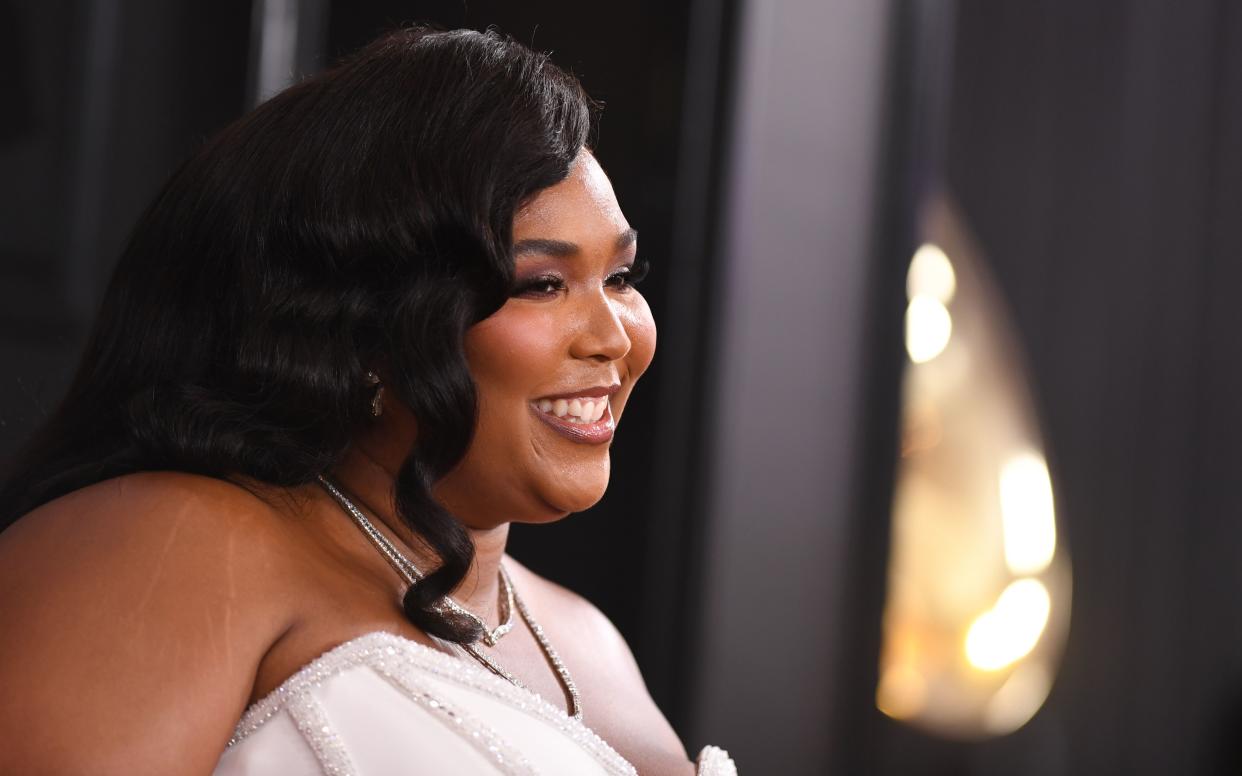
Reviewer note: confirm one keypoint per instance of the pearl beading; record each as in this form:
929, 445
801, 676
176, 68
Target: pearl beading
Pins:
399, 659
312, 722
714, 761
484, 739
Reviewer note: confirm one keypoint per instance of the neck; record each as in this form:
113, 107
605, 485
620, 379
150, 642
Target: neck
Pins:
369, 479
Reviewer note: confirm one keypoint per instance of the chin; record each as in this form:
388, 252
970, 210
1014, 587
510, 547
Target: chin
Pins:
561, 503
575, 487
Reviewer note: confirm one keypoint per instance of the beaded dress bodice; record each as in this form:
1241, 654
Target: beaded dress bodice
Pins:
382, 704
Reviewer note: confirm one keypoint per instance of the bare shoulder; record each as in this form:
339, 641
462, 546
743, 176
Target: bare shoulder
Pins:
143, 504
615, 696
135, 612
577, 618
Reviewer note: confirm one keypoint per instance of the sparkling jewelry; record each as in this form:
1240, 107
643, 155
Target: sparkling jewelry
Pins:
510, 600
411, 574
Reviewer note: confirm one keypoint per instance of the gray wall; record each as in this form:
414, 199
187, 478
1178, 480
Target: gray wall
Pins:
803, 167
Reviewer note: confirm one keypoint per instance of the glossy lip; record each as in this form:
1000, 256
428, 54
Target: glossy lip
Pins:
597, 433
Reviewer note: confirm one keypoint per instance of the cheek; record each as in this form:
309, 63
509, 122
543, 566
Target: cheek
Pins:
641, 329
509, 354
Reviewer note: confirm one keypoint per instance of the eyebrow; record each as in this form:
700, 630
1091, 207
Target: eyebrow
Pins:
563, 249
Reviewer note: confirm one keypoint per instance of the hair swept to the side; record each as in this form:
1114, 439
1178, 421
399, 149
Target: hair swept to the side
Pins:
361, 217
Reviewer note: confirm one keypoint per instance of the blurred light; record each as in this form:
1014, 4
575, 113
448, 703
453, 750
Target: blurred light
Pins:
1018, 699
979, 583
275, 24
1011, 628
1027, 513
922, 430
928, 328
931, 274
902, 691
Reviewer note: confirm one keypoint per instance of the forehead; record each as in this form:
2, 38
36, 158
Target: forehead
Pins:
581, 205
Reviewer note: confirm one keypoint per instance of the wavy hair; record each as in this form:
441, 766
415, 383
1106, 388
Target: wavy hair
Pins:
362, 217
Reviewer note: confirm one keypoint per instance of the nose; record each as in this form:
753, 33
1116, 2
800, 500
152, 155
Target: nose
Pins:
601, 334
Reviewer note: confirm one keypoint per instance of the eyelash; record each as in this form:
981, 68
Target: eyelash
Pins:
623, 279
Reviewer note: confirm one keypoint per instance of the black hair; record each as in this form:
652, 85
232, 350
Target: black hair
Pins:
360, 218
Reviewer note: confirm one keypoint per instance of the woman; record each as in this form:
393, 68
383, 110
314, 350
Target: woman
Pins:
364, 329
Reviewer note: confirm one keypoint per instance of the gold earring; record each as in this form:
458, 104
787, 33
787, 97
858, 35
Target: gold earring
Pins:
377, 401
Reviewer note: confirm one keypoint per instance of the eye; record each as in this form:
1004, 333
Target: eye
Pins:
629, 276
539, 286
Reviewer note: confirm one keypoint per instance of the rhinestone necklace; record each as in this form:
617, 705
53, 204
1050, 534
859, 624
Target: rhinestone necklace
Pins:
411, 574
510, 601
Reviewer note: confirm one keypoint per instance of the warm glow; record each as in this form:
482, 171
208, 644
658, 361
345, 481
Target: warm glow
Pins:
931, 274
902, 692
1018, 699
979, 582
1011, 628
928, 328
1027, 513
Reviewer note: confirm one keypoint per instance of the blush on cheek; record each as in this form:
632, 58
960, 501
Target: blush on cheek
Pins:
514, 349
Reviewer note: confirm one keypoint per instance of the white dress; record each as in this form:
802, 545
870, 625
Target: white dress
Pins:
381, 704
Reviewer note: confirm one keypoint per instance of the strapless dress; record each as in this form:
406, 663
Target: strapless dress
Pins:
382, 705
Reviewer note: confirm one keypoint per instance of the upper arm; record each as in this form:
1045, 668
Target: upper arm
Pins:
134, 614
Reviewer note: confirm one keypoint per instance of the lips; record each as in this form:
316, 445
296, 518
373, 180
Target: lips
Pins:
583, 416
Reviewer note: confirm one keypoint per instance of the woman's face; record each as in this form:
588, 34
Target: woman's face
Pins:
554, 365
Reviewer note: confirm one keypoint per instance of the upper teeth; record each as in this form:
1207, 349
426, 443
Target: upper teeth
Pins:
575, 410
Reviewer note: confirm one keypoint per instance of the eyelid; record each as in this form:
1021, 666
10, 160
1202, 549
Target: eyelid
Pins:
632, 273
536, 283
629, 275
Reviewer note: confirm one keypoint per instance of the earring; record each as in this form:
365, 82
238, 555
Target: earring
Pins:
377, 401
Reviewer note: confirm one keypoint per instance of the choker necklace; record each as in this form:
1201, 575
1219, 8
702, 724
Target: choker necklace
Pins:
510, 600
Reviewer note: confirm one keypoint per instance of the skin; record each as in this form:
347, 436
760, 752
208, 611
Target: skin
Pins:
143, 614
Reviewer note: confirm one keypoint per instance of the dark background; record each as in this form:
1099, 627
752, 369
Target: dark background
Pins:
1094, 150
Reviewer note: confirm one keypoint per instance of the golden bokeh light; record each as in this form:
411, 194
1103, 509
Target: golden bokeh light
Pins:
1017, 700
928, 328
979, 583
1027, 513
931, 274
1009, 630
902, 691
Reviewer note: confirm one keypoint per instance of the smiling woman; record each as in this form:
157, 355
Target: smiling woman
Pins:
561, 356
362, 332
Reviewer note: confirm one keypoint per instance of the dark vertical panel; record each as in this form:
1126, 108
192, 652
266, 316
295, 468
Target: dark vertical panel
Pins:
797, 239
180, 76
1215, 573
1093, 150
668, 643
90, 144
1160, 265
38, 333
911, 156
110, 97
